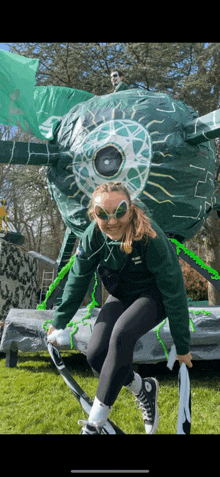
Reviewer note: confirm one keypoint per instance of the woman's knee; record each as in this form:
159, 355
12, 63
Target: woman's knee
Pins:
122, 340
91, 356
95, 358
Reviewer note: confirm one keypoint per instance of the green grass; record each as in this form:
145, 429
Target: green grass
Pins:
34, 399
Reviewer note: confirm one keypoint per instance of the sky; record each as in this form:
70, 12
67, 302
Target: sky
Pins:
3, 46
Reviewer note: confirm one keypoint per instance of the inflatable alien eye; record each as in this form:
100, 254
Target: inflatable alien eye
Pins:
115, 150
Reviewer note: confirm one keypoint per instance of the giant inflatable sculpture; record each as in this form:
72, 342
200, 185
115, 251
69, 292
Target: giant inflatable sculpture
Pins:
159, 148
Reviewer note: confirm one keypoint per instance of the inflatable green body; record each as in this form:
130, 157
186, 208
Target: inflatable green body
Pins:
157, 147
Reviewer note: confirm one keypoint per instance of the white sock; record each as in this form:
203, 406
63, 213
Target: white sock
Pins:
99, 413
135, 385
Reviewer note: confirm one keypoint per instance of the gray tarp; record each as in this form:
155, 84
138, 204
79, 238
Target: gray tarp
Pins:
23, 331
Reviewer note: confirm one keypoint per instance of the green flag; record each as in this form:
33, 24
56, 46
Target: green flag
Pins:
17, 84
34, 109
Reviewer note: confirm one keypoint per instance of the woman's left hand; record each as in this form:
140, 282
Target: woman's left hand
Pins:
185, 358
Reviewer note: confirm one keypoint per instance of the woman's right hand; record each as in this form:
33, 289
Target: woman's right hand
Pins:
51, 329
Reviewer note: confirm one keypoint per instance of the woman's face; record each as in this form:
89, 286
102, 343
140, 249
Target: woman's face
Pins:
109, 201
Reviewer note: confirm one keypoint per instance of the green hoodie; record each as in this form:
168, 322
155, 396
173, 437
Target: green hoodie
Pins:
121, 87
158, 265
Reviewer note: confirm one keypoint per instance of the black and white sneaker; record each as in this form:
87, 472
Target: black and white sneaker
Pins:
147, 402
89, 428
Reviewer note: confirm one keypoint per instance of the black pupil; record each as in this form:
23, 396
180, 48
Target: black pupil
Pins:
108, 161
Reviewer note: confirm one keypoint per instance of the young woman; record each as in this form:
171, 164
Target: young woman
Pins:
140, 269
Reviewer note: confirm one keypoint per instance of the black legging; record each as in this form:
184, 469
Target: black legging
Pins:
121, 322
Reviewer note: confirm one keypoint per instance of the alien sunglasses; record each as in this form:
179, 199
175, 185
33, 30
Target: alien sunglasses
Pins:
119, 213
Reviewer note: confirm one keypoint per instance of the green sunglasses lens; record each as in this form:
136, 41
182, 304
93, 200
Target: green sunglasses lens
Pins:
101, 214
121, 210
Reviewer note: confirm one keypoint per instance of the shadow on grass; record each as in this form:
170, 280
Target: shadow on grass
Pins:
208, 372
74, 361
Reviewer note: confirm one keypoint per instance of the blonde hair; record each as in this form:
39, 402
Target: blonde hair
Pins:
139, 227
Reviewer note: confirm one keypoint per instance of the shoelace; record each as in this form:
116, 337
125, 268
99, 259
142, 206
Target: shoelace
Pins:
144, 405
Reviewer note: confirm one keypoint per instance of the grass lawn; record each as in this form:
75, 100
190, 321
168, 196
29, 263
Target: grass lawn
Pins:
34, 399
